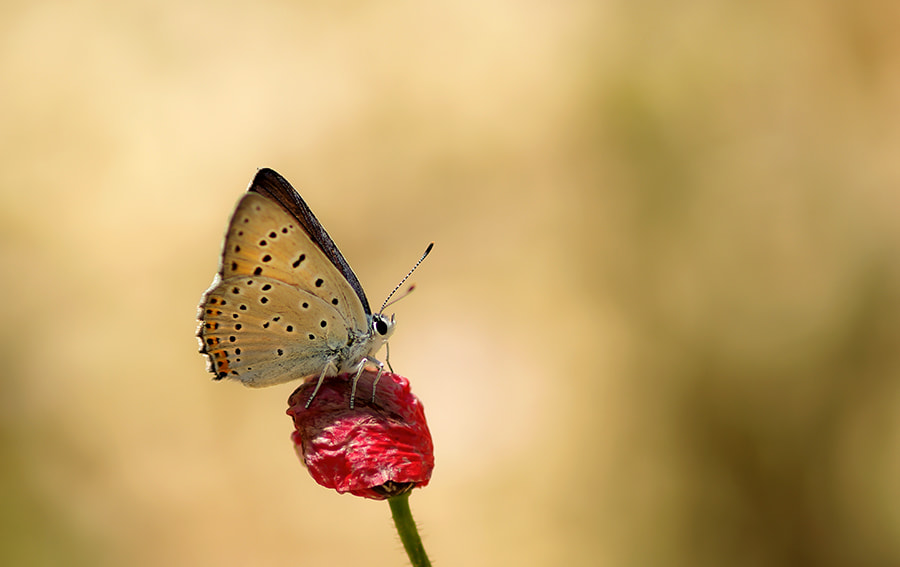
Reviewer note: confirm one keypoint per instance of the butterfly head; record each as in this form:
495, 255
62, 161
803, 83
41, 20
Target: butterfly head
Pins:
382, 327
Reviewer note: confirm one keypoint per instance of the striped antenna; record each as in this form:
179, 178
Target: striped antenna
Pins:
403, 281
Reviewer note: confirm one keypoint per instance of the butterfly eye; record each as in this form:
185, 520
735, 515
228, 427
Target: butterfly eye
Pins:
380, 325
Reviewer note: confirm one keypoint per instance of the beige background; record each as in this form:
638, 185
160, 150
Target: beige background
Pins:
659, 328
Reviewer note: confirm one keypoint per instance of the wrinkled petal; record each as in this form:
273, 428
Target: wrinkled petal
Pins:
377, 449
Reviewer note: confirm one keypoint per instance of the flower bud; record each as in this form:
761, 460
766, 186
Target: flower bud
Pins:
377, 449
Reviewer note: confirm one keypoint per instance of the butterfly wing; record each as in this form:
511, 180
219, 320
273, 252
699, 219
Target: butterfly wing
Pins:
279, 308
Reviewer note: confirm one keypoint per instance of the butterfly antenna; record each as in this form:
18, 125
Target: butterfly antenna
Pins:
403, 281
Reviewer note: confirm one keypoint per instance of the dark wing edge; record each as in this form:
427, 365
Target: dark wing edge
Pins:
270, 184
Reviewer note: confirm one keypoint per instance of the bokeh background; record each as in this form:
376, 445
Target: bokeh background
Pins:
659, 327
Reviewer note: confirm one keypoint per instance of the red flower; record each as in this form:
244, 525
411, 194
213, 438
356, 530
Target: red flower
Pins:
377, 449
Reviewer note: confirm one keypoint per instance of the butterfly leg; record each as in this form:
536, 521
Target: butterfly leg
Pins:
319, 385
387, 358
378, 376
362, 366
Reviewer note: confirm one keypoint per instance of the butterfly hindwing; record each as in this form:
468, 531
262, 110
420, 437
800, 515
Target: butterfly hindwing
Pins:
263, 331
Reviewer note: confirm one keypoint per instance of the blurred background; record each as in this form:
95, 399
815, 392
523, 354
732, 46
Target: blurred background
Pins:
659, 327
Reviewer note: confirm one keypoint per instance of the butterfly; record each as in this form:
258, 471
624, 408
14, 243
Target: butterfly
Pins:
285, 304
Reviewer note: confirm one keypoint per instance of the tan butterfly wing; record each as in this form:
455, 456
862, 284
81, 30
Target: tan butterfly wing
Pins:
278, 309
263, 331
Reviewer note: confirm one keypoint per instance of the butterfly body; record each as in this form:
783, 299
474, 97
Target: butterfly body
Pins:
284, 304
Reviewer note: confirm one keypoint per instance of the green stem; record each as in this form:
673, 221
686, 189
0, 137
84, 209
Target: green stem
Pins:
409, 533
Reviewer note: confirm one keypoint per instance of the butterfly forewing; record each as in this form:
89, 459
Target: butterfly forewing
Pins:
275, 187
263, 240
